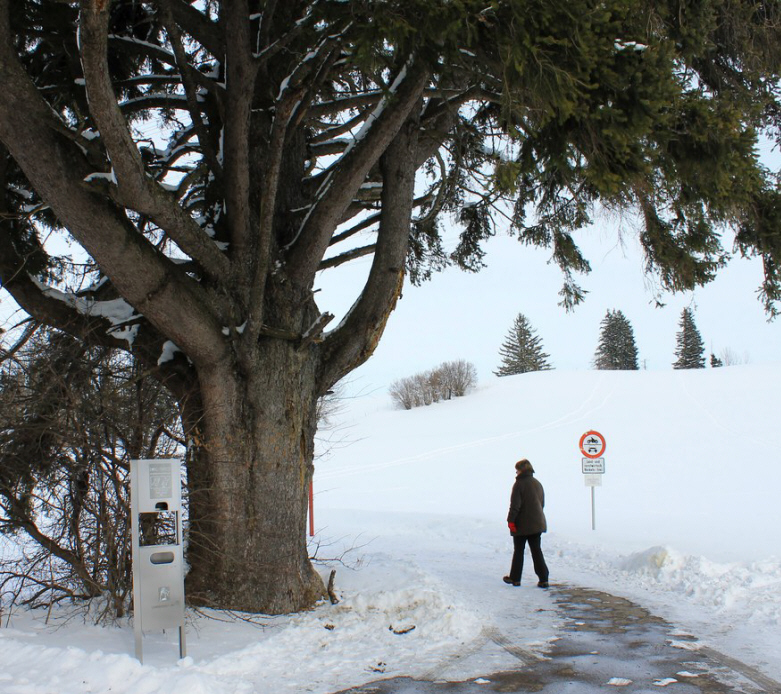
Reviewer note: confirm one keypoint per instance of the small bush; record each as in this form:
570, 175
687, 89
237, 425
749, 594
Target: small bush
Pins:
450, 379
457, 378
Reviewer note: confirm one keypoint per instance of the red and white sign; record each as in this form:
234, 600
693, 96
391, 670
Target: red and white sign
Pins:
592, 444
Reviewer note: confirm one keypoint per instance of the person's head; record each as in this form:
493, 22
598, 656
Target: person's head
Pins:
523, 467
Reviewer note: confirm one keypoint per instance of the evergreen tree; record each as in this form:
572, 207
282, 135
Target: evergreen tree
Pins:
715, 362
616, 349
294, 138
522, 350
690, 351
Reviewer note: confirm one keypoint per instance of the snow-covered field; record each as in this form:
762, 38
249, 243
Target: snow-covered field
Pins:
410, 509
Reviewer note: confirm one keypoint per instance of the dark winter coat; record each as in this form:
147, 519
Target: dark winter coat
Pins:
526, 503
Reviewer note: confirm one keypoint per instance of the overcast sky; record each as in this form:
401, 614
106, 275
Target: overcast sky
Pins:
460, 315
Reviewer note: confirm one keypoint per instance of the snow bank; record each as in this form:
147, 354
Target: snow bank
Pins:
390, 622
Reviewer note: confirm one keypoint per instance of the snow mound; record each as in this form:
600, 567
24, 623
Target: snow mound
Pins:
722, 587
407, 626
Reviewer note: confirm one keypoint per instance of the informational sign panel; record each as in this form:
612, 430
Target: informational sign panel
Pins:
592, 480
160, 480
593, 467
158, 560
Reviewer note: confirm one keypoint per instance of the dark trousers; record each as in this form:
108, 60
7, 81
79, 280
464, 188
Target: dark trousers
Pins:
519, 544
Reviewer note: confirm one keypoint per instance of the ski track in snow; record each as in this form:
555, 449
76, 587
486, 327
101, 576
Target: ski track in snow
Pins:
706, 407
584, 409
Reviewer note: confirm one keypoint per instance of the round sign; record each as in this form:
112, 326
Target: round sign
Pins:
592, 444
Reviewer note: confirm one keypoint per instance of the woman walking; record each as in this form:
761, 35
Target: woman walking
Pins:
526, 521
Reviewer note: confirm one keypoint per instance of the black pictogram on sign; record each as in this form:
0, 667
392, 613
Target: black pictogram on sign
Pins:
592, 444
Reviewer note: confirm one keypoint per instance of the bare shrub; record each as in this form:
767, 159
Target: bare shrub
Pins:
457, 378
730, 357
71, 419
448, 380
427, 384
404, 392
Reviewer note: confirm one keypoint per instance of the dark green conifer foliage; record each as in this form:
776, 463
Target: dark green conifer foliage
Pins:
521, 351
715, 362
616, 349
690, 351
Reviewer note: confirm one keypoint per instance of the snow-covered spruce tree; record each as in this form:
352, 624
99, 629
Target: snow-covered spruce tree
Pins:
689, 350
715, 362
616, 349
211, 159
521, 350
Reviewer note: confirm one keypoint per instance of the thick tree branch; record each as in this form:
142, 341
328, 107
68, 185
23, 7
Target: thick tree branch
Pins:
329, 147
88, 321
345, 104
356, 338
240, 77
288, 101
182, 60
151, 283
330, 133
46, 309
199, 26
136, 189
370, 220
127, 45
360, 226
361, 100
347, 256
341, 186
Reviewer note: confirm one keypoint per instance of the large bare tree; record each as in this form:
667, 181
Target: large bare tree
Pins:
292, 137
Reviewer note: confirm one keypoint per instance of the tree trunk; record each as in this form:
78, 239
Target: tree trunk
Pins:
248, 478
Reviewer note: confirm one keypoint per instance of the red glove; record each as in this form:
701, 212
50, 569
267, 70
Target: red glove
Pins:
512, 527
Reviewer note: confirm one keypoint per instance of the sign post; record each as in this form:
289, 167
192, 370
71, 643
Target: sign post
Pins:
311, 509
592, 445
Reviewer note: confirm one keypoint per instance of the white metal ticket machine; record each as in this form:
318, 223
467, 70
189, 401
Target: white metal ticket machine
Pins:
158, 558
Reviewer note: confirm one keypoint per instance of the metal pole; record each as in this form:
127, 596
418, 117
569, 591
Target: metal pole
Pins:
182, 643
593, 511
311, 509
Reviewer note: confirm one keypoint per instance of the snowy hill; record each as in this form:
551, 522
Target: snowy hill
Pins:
692, 458
688, 519
410, 509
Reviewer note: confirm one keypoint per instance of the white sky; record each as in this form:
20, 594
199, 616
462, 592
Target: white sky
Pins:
461, 315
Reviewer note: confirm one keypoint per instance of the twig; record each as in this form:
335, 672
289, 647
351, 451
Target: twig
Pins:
330, 589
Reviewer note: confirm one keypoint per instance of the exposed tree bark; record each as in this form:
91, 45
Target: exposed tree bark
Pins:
249, 486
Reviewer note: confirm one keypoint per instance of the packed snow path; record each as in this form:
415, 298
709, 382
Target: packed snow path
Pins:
605, 641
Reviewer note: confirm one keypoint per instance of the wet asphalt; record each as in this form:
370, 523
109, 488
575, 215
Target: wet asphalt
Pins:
606, 644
